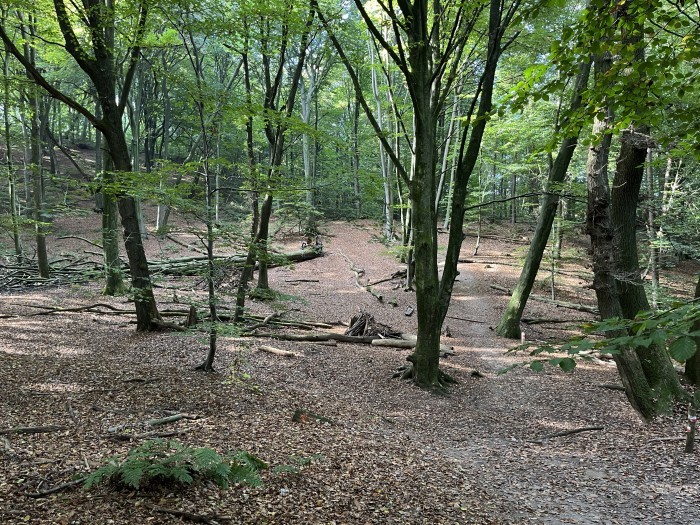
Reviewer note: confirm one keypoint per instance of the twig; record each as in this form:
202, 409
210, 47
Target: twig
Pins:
565, 433
33, 430
145, 435
57, 488
169, 419
93, 243
465, 319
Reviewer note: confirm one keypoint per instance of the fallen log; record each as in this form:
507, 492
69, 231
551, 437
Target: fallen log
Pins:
317, 337
277, 351
542, 299
33, 430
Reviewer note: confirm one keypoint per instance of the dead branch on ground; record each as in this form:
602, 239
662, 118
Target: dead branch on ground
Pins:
33, 430
277, 351
542, 299
57, 488
565, 433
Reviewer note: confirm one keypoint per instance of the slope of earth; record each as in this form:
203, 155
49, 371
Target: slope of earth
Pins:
394, 454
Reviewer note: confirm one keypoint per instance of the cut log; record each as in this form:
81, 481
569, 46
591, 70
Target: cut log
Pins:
277, 351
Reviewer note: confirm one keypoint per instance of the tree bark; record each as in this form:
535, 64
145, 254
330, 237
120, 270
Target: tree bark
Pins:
692, 365
509, 325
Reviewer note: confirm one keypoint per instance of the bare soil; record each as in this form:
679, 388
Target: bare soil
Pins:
395, 454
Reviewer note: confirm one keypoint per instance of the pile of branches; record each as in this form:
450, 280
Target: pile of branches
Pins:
364, 324
24, 274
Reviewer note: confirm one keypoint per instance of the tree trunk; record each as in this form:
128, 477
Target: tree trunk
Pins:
509, 325
599, 226
36, 155
692, 365
627, 182
114, 279
14, 214
651, 231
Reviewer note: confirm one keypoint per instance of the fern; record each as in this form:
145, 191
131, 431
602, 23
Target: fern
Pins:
160, 461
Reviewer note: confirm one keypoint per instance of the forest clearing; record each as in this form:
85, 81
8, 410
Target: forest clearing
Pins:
362, 262
392, 454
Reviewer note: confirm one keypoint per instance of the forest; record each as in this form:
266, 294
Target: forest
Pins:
349, 262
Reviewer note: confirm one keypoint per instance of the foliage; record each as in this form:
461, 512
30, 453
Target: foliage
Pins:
170, 461
673, 329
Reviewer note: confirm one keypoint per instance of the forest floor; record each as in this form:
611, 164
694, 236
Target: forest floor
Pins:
394, 453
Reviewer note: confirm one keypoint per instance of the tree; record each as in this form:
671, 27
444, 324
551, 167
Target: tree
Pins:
97, 60
509, 325
430, 44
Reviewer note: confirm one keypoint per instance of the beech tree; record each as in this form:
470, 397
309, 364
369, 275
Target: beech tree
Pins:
429, 49
96, 58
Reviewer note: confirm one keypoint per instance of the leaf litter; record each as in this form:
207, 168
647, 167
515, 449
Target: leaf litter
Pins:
395, 454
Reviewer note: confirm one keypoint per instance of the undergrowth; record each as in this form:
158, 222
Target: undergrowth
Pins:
161, 461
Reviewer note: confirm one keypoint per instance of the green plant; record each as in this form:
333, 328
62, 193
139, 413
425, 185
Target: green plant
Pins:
672, 329
170, 461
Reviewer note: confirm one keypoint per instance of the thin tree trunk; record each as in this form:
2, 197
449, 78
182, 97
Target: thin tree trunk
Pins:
509, 325
14, 214
651, 231
36, 164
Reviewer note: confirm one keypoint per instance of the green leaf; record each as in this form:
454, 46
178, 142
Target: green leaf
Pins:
567, 364
537, 366
682, 349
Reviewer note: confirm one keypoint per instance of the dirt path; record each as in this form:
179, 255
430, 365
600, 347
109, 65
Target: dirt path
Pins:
395, 455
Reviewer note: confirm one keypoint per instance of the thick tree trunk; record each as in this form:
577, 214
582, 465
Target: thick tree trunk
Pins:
627, 182
599, 225
509, 325
142, 288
